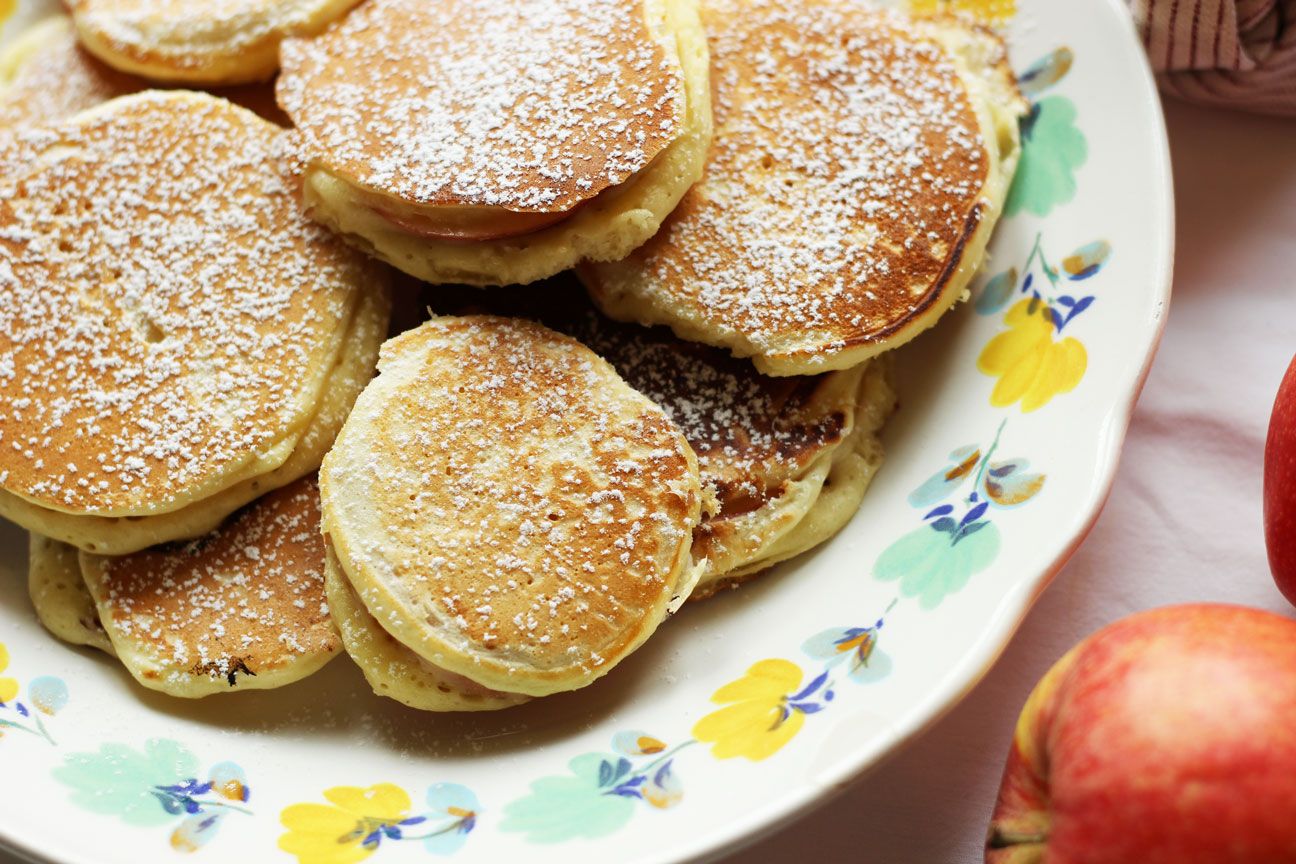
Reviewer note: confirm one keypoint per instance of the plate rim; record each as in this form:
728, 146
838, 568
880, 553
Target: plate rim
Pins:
1010, 611
1018, 601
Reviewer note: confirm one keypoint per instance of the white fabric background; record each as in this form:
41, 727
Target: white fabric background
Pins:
1184, 519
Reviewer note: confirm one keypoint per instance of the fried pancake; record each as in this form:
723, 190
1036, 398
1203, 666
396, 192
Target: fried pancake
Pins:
169, 316
395, 671
765, 445
859, 163
197, 41
46, 77
491, 143
62, 601
240, 609
508, 508
846, 474
113, 535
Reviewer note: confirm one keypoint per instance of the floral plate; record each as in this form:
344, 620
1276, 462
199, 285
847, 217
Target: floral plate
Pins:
749, 707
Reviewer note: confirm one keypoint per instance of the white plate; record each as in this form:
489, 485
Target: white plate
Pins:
561, 779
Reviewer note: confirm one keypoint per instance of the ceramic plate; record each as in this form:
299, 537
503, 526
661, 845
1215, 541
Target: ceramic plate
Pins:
749, 707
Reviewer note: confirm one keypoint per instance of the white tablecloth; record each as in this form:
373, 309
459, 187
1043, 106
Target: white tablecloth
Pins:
1184, 519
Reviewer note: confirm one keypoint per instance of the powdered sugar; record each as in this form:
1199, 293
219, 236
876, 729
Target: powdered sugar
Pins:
560, 502
750, 431
59, 80
527, 105
212, 609
164, 302
846, 168
185, 30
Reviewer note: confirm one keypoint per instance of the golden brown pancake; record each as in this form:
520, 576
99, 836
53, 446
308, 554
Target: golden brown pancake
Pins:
842, 474
46, 77
451, 123
765, 446
857, 167
508, 508
197, 41
240, 609
121, 535
168, 315
512, 107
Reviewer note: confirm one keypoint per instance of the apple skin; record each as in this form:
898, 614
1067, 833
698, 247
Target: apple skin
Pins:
1280, 486
1168, 737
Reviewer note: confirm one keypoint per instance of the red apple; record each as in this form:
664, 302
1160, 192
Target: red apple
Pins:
1166, 738
1280, 486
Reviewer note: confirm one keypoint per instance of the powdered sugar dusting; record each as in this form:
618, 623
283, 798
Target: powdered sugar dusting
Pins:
60, 78
846, 168
58, 81
163, 303
751, 432
526, 105
532, 506
247, 599
186, 30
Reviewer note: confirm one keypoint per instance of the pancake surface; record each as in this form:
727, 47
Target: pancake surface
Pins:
59, 594
856, 171
168, 315
242, 608
195, 41
760, 441
765, 445
113, 535
459, 138
45, 76
507, 507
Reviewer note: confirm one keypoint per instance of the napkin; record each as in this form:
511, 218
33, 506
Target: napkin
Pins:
1230, 53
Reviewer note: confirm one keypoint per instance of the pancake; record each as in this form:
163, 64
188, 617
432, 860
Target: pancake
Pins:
109, 535
62, 602
479, 142
859, 163
847, 472
198, 42
765, 445
169, 317
240, 609
508, 508
395, 671
46, 77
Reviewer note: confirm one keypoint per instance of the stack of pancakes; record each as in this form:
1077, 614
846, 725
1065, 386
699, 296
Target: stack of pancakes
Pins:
666, 248
178, 340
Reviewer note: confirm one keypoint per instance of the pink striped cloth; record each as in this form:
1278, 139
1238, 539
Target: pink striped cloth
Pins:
1231, 53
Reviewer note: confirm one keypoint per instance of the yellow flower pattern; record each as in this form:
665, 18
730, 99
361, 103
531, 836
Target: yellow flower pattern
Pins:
761, 712
1032, 366
7, 8
8, 686
342, 831
991, 11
